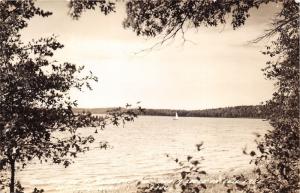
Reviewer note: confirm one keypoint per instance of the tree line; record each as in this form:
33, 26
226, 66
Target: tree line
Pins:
226, 112
244, 111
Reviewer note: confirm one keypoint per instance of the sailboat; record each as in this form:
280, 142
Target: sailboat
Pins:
176, 116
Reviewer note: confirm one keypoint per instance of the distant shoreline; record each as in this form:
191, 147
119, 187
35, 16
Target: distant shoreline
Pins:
246, 111
202, 117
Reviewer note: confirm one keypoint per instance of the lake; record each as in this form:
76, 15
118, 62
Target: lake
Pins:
138, 152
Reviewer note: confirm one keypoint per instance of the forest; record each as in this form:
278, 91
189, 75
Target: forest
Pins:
245, 111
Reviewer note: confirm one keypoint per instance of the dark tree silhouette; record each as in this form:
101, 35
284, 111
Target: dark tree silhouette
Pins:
36, 116
278, 152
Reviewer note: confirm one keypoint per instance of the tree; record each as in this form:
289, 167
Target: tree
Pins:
277, 161
36, 116
277, 169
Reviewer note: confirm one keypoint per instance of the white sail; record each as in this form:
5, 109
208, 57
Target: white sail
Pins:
176, 116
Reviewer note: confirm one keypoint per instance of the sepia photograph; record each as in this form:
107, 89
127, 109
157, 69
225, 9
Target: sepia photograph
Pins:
149, 96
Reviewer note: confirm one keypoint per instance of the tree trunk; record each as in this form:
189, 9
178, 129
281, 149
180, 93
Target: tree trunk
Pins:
12, 177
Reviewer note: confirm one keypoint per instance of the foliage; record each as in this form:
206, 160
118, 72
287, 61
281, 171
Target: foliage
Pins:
189, 179
168, 18
36, 117
77, 7
151, 18
152, 188
276, 161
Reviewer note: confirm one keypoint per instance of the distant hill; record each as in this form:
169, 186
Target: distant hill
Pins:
230, 112
251, 111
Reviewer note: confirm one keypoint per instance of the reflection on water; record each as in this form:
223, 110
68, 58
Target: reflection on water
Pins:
140, 148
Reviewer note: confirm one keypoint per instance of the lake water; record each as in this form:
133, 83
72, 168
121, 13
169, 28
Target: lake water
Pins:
139, 152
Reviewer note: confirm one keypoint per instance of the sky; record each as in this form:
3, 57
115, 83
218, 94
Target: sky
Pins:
216, 68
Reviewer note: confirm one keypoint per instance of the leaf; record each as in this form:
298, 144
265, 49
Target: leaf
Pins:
202, 172
183, 174
252, 153
198, 146
195, 162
